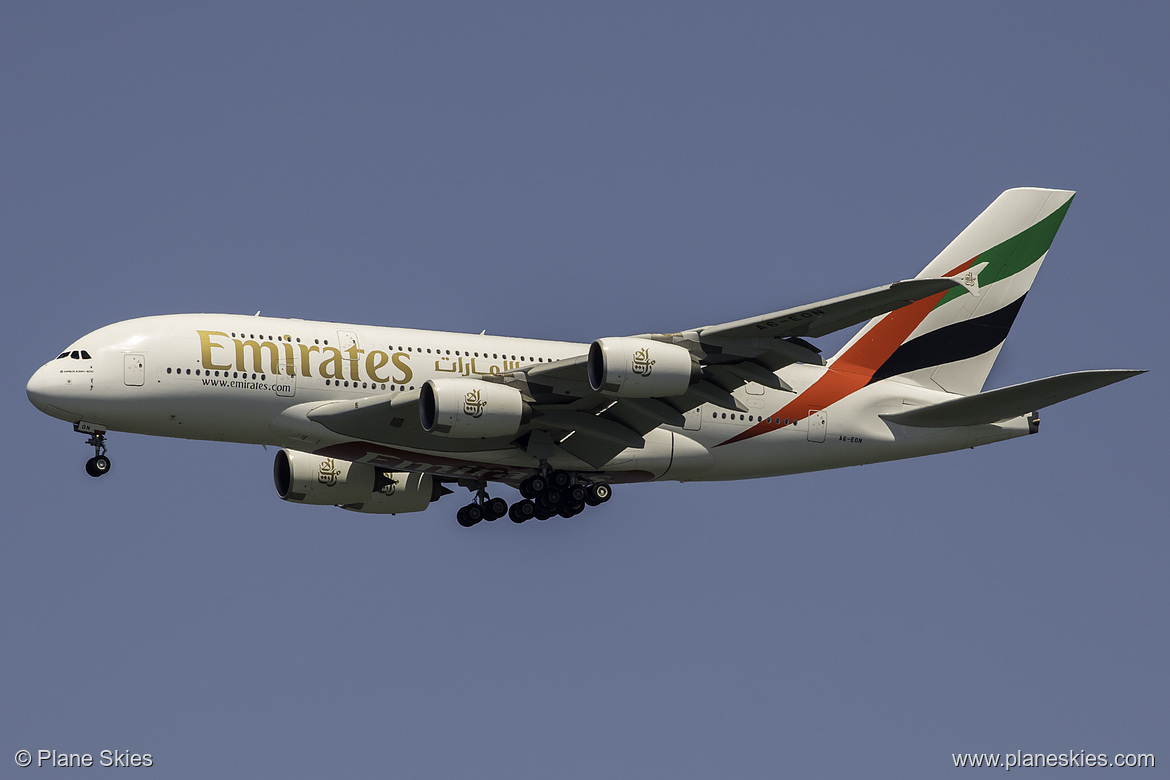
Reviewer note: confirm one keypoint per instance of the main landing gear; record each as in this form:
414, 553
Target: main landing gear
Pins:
99, 464
482, 508
557, 493
545, 496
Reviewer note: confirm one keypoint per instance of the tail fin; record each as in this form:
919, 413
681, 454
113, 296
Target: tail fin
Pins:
951, 340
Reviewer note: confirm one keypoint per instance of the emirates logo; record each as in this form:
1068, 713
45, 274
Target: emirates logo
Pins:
643, 365
391, 485
473, 404
327, 472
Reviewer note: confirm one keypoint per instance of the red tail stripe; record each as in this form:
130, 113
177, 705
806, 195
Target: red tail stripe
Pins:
853, 370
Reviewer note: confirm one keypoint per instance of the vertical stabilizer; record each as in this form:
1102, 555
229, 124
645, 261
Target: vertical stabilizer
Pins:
951, 340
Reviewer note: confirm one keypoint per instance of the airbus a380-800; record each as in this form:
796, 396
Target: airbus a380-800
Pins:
387, 420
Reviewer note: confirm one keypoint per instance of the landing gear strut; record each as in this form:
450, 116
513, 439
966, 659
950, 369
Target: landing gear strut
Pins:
99, 464
482, 508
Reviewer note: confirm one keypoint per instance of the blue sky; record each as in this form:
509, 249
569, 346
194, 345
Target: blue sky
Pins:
571, 172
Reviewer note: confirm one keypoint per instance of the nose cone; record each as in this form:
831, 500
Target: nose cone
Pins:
36, 390
46, 394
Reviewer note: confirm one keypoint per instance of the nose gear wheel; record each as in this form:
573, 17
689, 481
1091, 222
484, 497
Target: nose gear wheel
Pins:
99, 464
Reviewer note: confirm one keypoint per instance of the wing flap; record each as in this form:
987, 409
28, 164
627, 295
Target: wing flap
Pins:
1009, 402
750, 371
592, 425
593, 450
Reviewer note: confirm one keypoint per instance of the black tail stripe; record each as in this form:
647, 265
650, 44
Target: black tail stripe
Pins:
959, 341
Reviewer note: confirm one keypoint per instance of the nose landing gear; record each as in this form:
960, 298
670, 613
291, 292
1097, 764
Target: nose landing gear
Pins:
99, 464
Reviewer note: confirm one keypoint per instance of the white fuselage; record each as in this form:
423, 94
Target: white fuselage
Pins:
253, 380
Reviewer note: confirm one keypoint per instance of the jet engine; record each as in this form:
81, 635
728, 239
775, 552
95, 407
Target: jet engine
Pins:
471, 409
640, 368
304, 478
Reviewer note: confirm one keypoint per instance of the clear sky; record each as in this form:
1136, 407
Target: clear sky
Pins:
574, 171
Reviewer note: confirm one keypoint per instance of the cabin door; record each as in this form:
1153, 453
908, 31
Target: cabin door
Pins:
818, 425
134, 370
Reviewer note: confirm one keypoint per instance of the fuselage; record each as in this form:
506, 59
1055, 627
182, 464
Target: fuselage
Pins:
254, 380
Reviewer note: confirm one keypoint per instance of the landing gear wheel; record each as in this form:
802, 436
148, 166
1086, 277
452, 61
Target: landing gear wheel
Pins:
494, 509
469, 515
522, 510
598, 493
571, 510
97, 466
559, 480
533, 486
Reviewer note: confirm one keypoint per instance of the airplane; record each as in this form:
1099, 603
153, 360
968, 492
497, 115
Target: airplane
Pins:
387, 420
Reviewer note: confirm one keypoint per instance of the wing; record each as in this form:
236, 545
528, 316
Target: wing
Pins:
730, 355
824, 317
568, 415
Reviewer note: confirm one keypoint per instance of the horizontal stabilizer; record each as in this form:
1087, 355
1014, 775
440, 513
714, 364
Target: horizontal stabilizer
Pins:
1009, 402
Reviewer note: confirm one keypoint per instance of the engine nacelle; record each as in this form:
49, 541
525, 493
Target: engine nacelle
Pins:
640, 368
304, 478
471, 409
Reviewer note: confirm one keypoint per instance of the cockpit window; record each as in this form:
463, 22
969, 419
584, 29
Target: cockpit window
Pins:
77, 354
85, 355
63, 355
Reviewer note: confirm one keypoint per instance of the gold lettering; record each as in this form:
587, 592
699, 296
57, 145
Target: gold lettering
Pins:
288, 354
205, 345
353, 353
257, 357
334, 361
306, 350
400, 361
374, 361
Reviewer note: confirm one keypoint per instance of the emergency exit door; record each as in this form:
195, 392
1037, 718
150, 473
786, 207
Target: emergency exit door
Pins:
134, 370
818, 425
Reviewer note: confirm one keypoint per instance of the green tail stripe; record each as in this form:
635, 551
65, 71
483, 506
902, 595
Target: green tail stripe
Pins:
1017, 253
